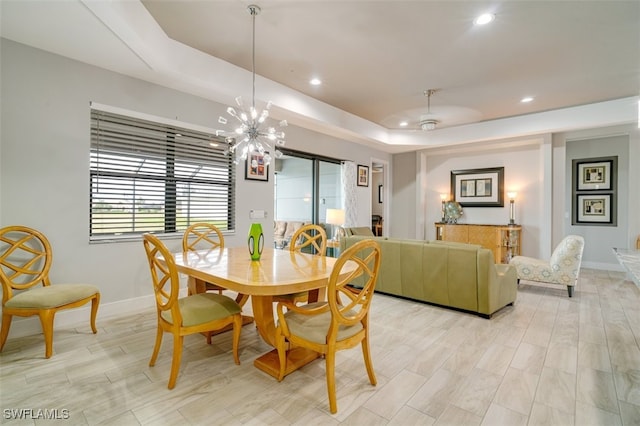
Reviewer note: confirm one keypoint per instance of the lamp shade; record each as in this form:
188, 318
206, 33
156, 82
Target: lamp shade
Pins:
335, 216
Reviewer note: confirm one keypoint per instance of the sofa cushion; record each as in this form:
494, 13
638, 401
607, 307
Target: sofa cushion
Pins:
462, 276
360, 230
292, 227
279, 228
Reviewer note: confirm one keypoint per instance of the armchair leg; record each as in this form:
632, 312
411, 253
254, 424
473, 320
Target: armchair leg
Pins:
570, 290
46, 320
95, 302
4, 331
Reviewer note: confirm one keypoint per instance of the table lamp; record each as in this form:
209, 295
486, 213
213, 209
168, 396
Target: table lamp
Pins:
335, 217
512, 209
443, 198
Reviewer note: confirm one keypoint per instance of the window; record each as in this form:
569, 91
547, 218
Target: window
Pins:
149, 176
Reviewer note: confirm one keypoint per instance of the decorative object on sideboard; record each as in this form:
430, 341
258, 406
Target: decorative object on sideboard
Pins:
512, 207
249, 137
452, 211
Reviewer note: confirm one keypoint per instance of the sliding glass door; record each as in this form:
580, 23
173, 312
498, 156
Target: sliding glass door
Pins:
305, 187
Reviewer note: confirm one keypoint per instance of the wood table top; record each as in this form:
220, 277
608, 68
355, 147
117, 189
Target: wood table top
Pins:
277, 271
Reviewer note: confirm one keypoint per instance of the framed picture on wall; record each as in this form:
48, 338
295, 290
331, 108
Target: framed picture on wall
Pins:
594, 208
363, 175
255, 168
478, 187
594, 175
594, 199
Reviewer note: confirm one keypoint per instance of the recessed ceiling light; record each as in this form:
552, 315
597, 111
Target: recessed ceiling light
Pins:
403, 124
484, 19
315, 82
526, 99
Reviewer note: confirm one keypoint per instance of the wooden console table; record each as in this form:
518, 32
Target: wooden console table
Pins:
503, 240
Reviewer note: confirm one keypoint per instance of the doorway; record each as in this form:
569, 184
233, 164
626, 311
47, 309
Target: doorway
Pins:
379, 198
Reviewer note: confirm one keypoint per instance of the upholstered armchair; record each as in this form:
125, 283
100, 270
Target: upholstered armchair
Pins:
562, 268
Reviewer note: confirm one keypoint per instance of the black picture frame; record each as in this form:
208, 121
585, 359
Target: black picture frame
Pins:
379, 194
595, 174
594, 197
255, 169
595, 209
478, 187
362, 177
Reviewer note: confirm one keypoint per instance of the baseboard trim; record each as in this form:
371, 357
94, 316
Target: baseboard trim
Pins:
603, 266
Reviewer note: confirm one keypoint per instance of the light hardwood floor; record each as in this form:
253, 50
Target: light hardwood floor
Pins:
549, 360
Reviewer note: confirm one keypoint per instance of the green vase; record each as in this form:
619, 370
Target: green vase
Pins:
256, 241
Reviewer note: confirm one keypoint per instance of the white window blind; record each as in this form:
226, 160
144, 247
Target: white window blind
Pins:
149, 176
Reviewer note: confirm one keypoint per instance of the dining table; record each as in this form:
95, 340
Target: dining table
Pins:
277, 272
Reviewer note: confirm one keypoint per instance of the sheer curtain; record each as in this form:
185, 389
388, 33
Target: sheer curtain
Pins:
349, 193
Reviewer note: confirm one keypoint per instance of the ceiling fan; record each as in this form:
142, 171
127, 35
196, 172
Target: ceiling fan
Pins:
428, 122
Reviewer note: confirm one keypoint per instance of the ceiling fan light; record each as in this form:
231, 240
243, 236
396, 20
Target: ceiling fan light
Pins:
428, 124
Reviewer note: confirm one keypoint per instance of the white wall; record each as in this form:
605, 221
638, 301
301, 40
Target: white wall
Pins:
620, 141
540, 172
522, 164
44, 168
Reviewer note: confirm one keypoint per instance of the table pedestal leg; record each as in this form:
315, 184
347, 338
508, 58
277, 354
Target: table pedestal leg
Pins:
296, 358
269, 362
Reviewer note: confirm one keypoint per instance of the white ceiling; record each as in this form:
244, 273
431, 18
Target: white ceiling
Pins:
580, 60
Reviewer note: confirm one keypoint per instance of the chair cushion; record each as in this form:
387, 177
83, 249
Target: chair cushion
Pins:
51, 296
315, 327
204, 307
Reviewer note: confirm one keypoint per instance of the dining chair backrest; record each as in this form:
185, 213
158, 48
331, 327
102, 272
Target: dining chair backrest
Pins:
309, 238
164, 277
202, 236
340, 323
25, 259
351, 305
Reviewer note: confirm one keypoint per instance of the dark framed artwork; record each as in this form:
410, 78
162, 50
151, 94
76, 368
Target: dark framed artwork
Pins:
363, 175
594, 191
255, 168
594, 175
478, 187
380, 194
594, 208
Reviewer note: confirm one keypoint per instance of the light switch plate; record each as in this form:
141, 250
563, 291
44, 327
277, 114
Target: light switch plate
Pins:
257, 214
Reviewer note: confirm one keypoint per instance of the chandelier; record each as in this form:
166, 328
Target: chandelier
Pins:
250, 136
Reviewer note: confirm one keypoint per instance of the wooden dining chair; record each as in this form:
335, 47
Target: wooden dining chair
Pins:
196, 313
341, 322
25, 261
203, 236
308, 239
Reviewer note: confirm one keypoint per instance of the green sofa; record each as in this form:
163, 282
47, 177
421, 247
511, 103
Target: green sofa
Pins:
456, 275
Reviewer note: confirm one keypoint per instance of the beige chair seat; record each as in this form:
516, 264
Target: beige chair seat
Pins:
51, 296
203, 307
315, 327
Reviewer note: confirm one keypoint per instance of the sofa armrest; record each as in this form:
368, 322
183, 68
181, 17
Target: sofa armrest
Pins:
497, 283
